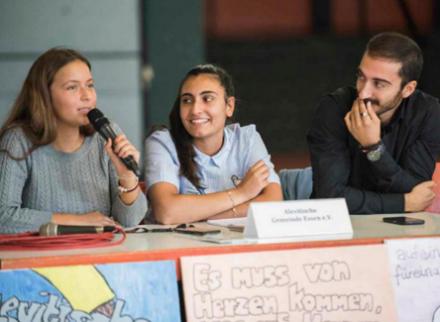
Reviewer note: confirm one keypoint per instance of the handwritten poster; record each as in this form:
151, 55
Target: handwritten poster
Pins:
129, 292
310, 285
415, 273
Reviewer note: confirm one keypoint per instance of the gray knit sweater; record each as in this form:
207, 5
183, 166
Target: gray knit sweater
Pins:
49, 181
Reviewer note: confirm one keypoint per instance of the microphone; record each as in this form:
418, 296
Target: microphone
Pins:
51, 229
102, 125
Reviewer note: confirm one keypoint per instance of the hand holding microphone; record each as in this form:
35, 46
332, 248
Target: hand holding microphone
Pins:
119, 150
124, 151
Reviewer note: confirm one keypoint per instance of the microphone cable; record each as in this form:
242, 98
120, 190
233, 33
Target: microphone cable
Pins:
33, 241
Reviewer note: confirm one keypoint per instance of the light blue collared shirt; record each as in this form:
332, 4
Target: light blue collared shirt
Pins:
242, 148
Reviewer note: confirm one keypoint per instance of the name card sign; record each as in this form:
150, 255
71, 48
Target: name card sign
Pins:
298, 218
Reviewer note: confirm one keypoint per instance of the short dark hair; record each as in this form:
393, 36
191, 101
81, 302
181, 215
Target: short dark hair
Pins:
399, 48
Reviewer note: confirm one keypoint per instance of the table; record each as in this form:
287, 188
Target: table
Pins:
368, 229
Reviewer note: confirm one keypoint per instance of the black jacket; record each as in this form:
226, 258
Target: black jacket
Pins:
341, 169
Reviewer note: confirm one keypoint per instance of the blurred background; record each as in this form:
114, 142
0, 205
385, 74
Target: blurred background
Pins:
283, 54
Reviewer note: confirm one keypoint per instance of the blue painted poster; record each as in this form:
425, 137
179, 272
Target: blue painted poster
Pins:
128, 292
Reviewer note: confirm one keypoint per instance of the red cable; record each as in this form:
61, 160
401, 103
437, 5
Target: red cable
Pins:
32, 241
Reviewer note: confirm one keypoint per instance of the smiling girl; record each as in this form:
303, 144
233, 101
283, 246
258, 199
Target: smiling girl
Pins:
53, 166
202, 168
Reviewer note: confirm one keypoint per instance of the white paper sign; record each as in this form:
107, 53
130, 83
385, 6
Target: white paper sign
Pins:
307, 285
415, 273
298, 218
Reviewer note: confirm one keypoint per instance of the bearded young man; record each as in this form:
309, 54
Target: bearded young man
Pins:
376, 145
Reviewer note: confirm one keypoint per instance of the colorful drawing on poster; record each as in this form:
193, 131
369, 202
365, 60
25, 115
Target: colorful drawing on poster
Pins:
129, 292
415, 274
312, 285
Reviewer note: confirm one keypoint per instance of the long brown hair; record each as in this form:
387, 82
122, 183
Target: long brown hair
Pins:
182, 139
33, 110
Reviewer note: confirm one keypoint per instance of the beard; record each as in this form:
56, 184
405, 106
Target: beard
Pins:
387, 106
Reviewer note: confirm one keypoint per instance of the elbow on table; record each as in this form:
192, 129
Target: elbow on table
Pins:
12, 223
334, 192
277, 196
165, 216
166, 220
